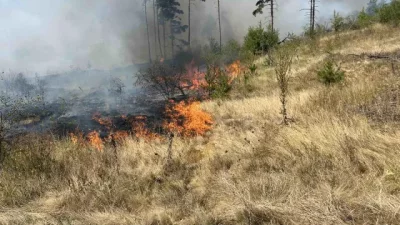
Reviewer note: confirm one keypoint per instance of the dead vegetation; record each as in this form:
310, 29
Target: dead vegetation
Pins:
337, 163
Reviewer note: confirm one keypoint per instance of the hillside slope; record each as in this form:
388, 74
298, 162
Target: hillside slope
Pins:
338, 162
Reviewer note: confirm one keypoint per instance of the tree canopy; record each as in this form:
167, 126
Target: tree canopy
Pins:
260, 4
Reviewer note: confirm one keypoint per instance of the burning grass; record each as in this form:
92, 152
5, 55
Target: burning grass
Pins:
184, 118
201, 82
187, 119
94, 140
141, 131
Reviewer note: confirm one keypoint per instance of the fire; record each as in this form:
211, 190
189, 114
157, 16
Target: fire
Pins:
140, 129
119, 136
74, 138
95, 141
77, 138
234, 70
187, 119
107, 122
195, 80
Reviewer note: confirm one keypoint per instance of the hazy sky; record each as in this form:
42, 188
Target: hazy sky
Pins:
51, 35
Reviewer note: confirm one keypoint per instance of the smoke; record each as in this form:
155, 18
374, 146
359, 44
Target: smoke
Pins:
58, 35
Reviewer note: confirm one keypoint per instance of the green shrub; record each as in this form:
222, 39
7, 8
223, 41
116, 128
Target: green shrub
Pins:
258, 40
218, 82
253, 69
330, 73
246, 57
211, 53
363, 19
390, 13
337, 21
372, 7
231, 51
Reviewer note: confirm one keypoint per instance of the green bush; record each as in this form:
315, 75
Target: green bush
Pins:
211, 53
258, 40
363, 19
253, 69
231, 51
390, 13
218, 82
330, 73
337, 21
246, 57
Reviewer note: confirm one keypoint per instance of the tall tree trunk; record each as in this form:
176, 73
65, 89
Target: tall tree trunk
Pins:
165, 46
272, 14
147, 27
159, 38
155, 28
189, 11
172, 41
1, 140
312, 17
220, 30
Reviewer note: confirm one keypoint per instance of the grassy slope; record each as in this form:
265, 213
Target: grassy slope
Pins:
337, 163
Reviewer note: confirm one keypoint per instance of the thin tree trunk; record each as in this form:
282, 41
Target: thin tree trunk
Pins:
147, 28
172, 41
272, 14
155, 29
284, 110
159, 38
189, 11
1, 140
312, 17
171, 139
165, 46
220, 30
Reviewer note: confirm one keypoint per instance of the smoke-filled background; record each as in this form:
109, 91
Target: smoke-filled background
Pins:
50, 36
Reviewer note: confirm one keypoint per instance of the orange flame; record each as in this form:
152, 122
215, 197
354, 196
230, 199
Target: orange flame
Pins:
119, 136
107, 122
195, 80
234, 70
73, 138
77, 138
95, 141
140, 129
187, 119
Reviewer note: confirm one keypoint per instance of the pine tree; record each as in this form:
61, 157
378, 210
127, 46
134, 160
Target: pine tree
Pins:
169, 11
219, 25
312, 17
155, 27
261, 4
147, 28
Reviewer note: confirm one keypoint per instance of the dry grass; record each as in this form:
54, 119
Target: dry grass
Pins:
338, 162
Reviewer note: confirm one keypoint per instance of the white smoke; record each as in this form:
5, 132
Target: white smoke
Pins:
56, 34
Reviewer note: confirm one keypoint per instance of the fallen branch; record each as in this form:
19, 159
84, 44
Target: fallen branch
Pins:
370, 56
391, 59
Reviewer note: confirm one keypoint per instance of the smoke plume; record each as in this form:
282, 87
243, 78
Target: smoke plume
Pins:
59, 35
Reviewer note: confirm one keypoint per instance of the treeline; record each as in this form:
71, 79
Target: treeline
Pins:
375, 12
260, 39
167, 26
